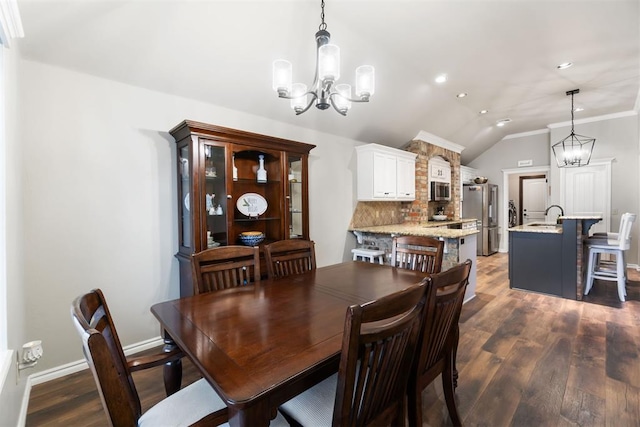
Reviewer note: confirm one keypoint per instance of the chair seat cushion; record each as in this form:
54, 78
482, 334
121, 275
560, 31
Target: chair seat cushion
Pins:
314, 407
183, 408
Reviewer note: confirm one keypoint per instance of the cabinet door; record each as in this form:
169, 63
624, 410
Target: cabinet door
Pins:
406, 182
384, 176
213, 200
297, 203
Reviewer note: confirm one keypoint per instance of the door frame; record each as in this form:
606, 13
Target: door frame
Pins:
520, 192
504, 218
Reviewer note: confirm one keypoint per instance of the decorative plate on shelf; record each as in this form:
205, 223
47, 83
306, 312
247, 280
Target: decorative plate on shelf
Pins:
252, 204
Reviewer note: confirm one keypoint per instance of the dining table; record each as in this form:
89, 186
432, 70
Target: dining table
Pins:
260, 345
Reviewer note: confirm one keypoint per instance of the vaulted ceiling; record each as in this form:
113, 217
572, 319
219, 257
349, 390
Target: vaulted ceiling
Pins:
503, 54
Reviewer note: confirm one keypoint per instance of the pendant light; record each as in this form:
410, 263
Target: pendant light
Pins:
574, 150
322, 91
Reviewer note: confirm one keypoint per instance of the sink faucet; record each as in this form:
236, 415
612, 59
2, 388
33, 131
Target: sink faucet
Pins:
555, 206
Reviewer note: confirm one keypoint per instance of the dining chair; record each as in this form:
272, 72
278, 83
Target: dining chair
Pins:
438, 342
419, 253
378, 344
225, 267
111, 370
287, 257
616, 246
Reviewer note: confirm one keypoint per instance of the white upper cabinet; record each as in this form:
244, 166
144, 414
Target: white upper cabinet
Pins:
406, 183
439, 170
385, 173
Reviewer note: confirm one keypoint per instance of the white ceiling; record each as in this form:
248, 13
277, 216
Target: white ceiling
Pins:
502, 53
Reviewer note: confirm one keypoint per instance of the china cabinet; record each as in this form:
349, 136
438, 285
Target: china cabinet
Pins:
231, 182
385, 173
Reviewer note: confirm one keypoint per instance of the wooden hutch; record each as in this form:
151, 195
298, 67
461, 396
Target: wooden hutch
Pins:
219, 195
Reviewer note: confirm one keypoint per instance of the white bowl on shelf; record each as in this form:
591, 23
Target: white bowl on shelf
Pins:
439, 217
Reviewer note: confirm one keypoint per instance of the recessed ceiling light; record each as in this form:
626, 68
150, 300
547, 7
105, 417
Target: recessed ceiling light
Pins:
578, 109
502, 122
461, 95
564, 65
484, 111
441, 78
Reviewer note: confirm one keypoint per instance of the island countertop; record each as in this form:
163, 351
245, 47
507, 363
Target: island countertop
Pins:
552, 228
429, 229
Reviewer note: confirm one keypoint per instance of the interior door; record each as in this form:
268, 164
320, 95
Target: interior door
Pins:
533, 199
586, 191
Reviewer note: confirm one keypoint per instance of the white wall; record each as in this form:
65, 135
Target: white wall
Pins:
505, 155
617, 138
12, 392
99, 195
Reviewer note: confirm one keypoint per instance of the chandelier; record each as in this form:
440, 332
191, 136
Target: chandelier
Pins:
574, 150
323, 91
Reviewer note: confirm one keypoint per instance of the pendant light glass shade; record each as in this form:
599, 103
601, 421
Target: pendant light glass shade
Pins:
282, 72
365, 81
298, 97
329, 63
574, 150
341, 100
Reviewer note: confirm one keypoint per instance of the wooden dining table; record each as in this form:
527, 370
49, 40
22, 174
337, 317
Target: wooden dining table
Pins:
260, 345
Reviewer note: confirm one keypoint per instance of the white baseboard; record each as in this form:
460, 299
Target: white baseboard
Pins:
71, 368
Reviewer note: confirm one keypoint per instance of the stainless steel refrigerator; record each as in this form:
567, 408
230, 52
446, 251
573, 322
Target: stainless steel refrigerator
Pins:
480, 201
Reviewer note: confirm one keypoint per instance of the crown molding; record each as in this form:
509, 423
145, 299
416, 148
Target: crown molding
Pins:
10, 22
439, 141
594, 119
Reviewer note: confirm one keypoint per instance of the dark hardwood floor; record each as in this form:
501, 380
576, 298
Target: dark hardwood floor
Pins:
524, 360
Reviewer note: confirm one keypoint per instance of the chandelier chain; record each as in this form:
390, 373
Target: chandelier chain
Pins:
322, 26
572, 110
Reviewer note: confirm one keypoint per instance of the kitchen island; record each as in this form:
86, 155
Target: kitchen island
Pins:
459, 238
550, 258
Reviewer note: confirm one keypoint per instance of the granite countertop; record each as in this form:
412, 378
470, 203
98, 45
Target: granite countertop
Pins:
429, 229
581, 217
538, 227
545, 227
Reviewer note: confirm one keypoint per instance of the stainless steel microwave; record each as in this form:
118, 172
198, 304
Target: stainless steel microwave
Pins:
440, 191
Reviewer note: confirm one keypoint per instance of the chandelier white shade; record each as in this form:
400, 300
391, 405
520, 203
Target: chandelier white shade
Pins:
574, 150
324, 91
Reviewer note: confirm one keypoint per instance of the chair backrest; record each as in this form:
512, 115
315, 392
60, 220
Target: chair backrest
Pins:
380, 338
418, 253
287, 257
225, 267
107, 361
623, 242
441, 317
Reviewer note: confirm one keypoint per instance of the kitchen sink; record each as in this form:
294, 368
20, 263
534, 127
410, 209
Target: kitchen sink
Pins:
543, 224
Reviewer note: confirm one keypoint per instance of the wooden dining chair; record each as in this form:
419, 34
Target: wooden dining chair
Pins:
380, 338
225, 267
287, 257
111, 370
419, 253
438, 342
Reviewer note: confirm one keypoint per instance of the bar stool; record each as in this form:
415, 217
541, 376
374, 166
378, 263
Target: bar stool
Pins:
370, 254
615, 246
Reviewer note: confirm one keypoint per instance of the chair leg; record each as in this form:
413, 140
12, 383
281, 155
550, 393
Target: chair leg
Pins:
590, 268
414, 406
622, 291
449, 394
